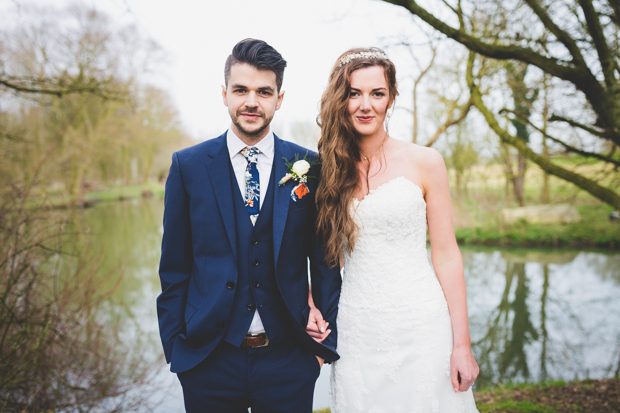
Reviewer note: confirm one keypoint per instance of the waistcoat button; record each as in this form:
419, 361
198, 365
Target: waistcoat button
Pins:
254, 241
230, 285
255, 263
256, 284
251, 307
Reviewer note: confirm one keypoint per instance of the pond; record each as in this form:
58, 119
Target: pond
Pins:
535, 314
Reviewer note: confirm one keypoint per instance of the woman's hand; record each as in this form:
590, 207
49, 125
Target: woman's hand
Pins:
463, 368
317, 327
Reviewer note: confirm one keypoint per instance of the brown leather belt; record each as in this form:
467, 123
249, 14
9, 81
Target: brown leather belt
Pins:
255, 340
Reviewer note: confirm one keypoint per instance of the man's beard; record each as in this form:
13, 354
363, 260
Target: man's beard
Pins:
251, 133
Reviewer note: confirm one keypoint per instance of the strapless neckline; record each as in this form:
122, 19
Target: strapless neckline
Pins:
383, 185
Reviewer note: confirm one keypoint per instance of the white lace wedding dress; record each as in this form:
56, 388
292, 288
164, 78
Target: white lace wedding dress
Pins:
394, 329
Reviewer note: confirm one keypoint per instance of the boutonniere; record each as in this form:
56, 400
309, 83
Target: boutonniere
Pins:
298, 172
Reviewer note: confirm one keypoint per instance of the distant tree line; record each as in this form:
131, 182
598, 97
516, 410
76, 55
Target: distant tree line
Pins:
73, 112
72, 98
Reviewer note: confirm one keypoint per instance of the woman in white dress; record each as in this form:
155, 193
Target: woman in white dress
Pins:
404, 337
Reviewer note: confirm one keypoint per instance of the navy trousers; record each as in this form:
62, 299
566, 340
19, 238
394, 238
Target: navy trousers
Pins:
279, 378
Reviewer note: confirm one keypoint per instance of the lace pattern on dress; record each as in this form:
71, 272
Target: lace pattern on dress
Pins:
395, 334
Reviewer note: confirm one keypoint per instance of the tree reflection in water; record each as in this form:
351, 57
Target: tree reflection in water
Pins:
534, 314
542, 315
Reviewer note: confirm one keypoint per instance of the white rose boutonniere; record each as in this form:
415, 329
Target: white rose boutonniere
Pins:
301, 167
298, 172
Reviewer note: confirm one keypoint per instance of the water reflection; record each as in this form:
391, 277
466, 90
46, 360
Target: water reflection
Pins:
534, 314
539, 315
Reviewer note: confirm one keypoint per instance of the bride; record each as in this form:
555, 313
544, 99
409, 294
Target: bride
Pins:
403, 331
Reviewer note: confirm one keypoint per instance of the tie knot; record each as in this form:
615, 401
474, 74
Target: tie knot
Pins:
250, 153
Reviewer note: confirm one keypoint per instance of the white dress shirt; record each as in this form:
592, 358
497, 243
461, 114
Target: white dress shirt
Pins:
264, 164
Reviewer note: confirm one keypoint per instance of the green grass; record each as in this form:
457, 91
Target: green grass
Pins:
591, 396
477, 211
115, 192
594, 230
109, 193
520, 407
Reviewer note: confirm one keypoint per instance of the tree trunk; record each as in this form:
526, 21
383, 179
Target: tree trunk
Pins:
518, 181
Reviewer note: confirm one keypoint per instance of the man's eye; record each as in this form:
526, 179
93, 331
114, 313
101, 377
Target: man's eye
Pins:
265, 93
239, 90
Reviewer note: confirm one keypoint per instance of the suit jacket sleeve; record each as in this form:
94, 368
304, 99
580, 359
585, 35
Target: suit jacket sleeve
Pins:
326, 284
176, 259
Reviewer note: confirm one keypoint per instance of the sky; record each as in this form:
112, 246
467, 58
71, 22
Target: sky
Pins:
198, 36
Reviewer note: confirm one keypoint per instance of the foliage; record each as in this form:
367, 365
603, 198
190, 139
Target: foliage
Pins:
573, 47
71, 96
62, 348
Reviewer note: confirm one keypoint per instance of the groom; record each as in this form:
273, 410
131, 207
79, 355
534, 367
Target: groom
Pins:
234, 257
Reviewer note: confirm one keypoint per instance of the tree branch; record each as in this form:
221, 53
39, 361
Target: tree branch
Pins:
596, 31
561, 35
450, 122
615, 6
580, 76
416, 82
557, 118
55, 87
527, 55
604, 194
568, 148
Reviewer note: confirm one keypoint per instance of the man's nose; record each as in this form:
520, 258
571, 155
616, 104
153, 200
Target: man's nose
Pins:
251, 100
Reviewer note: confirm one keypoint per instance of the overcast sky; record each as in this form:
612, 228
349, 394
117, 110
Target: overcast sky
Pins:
198, 35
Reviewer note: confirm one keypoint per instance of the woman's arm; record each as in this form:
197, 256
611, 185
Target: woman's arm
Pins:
448, 265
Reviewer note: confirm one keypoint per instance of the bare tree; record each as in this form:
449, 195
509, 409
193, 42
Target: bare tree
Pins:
576, 44
61, 347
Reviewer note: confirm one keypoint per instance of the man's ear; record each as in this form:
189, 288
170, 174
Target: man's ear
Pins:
224, 96
280, 97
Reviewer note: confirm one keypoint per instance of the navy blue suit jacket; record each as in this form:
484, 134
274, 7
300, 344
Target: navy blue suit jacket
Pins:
199, 254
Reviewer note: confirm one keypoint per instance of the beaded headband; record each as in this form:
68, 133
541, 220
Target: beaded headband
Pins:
367, 55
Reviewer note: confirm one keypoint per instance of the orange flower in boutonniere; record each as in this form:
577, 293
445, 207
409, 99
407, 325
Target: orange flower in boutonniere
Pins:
301, 190
298, 172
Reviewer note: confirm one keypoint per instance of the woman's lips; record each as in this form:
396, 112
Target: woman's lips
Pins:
365, 118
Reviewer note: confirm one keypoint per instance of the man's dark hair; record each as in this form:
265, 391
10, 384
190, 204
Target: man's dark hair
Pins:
258, 54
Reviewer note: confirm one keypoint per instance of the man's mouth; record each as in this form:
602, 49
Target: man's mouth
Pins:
251, 116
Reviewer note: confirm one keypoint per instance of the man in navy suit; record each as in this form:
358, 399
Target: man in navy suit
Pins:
234, 263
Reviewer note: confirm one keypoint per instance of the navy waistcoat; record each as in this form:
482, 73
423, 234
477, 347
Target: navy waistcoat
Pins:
256, 287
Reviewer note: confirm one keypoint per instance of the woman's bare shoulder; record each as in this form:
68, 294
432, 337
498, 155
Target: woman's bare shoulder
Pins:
418, 155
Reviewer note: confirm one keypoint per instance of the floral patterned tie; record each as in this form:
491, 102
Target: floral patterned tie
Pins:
252, 184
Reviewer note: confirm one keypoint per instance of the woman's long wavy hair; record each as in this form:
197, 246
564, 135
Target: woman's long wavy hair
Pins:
339, 154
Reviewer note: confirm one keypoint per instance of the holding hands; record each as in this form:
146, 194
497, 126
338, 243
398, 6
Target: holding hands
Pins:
317, 327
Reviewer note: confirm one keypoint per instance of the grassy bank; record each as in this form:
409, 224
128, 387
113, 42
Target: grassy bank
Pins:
591, 396
108, 193
478, 203
594, 230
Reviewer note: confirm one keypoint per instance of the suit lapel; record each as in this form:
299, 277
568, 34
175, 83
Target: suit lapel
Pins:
282, 195
218, 169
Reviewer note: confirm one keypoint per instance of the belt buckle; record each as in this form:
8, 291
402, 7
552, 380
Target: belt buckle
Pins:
260, 335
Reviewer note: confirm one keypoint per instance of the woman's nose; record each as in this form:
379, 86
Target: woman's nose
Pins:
365, 104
